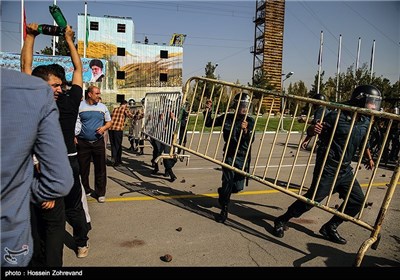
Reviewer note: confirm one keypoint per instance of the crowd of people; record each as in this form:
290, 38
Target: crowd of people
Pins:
63, 132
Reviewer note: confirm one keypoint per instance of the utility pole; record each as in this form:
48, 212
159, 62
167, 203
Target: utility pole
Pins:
287, 76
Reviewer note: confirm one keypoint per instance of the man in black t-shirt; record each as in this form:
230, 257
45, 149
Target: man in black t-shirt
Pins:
52, 220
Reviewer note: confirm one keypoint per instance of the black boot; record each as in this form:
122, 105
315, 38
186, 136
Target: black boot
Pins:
329, 231
130, 142
221, 218
132, 148
280, 226
155, 171
168, 172
136, 145
141, 152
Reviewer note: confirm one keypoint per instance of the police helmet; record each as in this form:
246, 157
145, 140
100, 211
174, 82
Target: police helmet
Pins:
319, 96
243, 99
131, 102
366, 96
142, 101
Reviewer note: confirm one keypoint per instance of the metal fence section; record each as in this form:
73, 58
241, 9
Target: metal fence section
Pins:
162, 120
273, 148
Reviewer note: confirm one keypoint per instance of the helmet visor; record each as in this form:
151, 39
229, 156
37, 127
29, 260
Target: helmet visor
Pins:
373, 102
244, 107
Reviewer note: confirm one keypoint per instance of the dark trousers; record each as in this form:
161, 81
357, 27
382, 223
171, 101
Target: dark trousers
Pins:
48, 229
232, 182
169, 163
182, 137
157, 149
140, 142
116, 145
87, 151
75, 214
342, 186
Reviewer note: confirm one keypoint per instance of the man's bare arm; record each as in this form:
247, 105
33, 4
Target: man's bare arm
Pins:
77, 78
27, 48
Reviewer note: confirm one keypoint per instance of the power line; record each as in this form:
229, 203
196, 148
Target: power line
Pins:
220, 60
373, 25
191, 7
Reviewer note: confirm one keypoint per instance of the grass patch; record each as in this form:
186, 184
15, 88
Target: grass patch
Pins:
272, 125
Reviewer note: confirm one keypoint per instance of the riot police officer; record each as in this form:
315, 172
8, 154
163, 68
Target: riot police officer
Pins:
318, 113
236, 122
365, 96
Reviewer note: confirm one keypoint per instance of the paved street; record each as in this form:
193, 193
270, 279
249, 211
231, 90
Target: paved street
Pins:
146, 217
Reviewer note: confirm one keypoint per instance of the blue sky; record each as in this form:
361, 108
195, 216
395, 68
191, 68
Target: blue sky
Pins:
223, 32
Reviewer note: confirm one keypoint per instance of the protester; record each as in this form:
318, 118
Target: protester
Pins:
68, 100
117, 131
35, 129
95, 119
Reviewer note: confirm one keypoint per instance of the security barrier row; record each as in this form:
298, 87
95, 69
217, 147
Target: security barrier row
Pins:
273, 148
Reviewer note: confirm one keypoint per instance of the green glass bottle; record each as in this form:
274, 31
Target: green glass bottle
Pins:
52, 30
58, 16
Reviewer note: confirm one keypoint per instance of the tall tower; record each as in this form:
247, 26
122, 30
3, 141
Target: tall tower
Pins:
268, 43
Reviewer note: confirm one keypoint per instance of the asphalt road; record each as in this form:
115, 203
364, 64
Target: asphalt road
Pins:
146, 217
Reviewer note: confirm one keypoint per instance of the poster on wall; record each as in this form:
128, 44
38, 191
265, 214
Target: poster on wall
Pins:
94, 70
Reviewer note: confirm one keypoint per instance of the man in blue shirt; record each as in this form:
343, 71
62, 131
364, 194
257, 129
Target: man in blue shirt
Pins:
95, 119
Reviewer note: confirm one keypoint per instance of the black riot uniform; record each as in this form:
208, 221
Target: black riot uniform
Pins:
319, 112
361, 96
233, 182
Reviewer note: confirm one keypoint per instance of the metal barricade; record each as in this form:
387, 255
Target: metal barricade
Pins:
269, 151
162, 119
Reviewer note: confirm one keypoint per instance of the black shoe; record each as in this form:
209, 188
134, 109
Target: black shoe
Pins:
329, 232
155, 171
89, 192
117, 164
173, 177
279, 228
221, 218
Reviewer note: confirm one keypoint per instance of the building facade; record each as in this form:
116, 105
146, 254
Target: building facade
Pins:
132, 67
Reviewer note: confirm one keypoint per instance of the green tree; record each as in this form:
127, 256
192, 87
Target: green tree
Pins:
260, 80
207, 89
61, 47
210, 69
299, 89
314, 86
